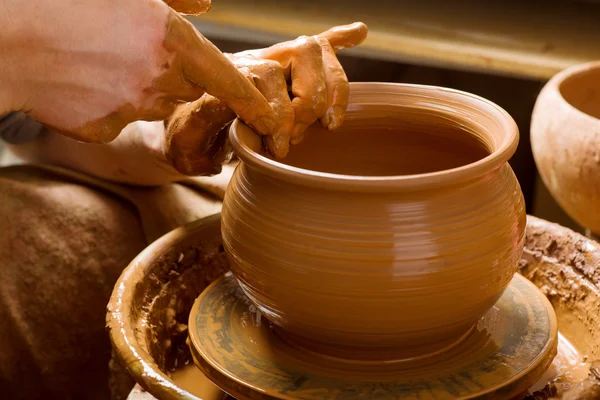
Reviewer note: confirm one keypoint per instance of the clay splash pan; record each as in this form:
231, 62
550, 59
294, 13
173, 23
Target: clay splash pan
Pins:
160, 277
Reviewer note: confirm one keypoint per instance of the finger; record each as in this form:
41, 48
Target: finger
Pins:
308, 85
199, 66
269, 80
196, 141
345, 36
340, 37
338, 89
193, 7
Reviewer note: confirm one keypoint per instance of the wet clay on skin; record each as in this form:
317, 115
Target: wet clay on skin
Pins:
196, 136
190, 66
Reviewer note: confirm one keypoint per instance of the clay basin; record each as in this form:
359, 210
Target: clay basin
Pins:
565, 139
389, 238
150, 305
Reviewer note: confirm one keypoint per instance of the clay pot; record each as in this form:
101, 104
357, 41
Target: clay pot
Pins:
565, 139
396, 233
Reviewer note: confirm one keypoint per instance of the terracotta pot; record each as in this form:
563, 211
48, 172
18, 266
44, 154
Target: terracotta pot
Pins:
565, 139
399, 231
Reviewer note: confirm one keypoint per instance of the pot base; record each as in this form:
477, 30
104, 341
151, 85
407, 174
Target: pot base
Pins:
365, 355
239, 350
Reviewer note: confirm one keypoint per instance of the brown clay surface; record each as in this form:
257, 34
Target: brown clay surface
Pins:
507, 351
565, 132
150, 304
385, 147
564, 265
365, 262
569, 367
191, 379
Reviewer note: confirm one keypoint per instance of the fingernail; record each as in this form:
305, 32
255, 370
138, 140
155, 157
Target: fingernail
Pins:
278, 145
281, 148
334, 117
326, 120
266, 125
299, 130
297, 140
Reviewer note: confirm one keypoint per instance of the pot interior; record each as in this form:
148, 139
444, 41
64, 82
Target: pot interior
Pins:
389, 140
582, 91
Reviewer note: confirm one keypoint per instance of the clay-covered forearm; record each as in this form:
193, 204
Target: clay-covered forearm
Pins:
136, 157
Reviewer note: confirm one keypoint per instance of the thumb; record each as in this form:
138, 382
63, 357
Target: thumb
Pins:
196, 136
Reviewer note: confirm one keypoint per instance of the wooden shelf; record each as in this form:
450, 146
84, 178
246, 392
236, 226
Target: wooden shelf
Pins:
531, 39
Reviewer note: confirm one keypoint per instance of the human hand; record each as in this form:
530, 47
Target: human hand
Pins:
193, 141
197, 132
309, 66
116, 62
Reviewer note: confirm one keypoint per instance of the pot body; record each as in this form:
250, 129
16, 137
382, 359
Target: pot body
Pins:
565, 139
407, 270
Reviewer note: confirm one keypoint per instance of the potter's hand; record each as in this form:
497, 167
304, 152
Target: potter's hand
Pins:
196, 133
318, 82
87, 68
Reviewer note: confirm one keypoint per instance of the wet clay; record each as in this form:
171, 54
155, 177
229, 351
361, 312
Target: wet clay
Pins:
308, 68
565, 131
234, 345
196, 136
553, 247
195, 7
150, 304
196, 140
164, 62
319, 83
564, 265
569, 367
361, 263
191, 379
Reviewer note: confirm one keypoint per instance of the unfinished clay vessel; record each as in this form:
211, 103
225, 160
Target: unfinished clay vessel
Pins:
388, 238
565, 139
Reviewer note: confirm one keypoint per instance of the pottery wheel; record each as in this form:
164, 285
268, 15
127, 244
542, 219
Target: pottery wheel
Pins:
245, 355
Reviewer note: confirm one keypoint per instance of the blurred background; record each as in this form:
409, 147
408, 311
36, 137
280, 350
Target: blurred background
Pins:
502, 50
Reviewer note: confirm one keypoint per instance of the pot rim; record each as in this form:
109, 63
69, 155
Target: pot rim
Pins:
563, 76
247, 145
